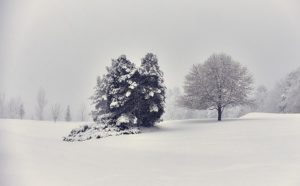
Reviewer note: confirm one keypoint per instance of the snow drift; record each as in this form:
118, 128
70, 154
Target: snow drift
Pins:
96, 131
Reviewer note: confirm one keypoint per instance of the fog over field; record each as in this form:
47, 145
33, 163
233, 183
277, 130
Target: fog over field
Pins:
149, 92
63, 46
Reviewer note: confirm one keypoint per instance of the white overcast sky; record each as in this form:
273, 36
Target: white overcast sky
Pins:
62, 45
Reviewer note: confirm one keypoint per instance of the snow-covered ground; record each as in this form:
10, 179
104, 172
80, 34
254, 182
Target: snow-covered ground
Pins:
258, 149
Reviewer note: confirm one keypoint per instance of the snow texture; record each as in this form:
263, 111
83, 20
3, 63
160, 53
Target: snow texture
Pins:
133, 85
256, 150
114, 104
154, 108
128, 93
123, 119
96, 131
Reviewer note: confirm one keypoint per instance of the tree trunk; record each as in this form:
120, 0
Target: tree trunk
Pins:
219, 113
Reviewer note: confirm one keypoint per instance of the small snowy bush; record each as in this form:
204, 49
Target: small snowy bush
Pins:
96, 131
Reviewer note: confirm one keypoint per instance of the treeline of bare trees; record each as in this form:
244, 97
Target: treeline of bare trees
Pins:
14, 108
284, 97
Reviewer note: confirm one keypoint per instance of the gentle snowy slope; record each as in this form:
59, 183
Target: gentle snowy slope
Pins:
258, 149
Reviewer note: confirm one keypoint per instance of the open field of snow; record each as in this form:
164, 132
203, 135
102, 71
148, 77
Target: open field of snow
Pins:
258, 149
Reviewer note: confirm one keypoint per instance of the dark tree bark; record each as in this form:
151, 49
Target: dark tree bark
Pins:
219, 113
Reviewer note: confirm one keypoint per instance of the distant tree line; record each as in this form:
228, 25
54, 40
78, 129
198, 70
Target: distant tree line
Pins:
130, 95
14, 108
285, 96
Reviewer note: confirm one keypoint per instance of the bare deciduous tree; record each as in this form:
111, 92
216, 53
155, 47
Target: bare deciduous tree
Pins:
21, 111
2, 105
41, 104
260, 96
285, 97
216, 84
82, 112
55, 111
13, 108
68, 114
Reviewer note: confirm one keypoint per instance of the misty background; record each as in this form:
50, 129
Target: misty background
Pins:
63, 46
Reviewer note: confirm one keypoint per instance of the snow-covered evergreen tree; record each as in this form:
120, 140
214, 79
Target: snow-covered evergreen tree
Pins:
68, 114
151, 102
116, 94
125, 98
99, 99
122, 92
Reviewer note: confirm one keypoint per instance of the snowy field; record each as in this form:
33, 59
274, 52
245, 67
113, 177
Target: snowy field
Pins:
258, 149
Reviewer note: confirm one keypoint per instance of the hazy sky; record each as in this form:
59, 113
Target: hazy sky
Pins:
62, 45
